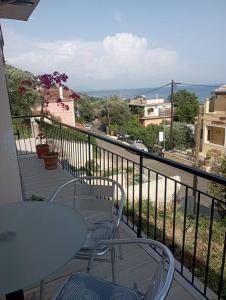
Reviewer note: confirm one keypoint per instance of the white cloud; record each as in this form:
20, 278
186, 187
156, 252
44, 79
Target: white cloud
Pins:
121, 60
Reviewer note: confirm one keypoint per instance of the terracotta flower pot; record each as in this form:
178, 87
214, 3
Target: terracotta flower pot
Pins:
50, 160
42, 149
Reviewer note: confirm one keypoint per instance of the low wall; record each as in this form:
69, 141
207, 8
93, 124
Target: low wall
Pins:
150, 187
178, 158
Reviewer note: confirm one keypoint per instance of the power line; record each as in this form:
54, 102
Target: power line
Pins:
153, 89
204, 85
176, 86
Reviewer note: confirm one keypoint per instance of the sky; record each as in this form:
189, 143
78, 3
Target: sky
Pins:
116, 44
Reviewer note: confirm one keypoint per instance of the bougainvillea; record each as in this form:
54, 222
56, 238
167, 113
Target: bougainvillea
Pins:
43, 84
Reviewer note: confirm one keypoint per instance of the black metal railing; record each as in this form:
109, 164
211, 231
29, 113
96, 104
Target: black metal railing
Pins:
163, 199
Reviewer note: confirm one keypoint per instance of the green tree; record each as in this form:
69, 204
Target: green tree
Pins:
133, 127
182, 136
115, 111
20, 104
151, 135
218, 190
186, 104
89, 108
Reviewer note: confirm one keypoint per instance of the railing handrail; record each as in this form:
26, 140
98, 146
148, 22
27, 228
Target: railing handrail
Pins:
166, 161
159, 207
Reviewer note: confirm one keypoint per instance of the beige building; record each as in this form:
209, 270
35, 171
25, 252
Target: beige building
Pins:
151, 111
213, 133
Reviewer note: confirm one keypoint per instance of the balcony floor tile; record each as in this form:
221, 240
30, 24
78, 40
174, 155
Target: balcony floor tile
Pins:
40, 182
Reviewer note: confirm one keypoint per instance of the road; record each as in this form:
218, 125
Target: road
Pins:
185, 178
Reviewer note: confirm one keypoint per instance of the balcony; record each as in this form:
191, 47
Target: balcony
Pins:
165, 201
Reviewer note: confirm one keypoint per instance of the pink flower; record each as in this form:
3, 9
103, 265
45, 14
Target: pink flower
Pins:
26, 82
65, 87
64, 106
75, 96
22, 90
44, 83
46, 80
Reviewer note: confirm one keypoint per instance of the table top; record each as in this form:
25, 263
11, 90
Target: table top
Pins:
36, 239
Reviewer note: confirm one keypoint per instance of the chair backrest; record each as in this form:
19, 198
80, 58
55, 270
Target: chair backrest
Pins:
95, 193
161, 280
162, 277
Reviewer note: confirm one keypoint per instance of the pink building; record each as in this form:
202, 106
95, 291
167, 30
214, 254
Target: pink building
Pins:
56, 109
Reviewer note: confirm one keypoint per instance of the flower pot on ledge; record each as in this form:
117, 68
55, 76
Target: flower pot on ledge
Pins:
50, 160
42, 149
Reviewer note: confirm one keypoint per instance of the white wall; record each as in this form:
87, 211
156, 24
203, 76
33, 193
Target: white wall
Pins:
154, 113
134, 191
10, 185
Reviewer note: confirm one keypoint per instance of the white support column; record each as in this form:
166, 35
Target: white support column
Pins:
205, 132
10, 184
224, 140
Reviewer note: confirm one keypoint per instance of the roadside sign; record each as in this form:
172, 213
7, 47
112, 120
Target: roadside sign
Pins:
161, 136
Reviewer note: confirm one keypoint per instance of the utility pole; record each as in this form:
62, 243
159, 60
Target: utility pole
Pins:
198, 134
173, 85
108, 114
164, 128
198, 125
171, 113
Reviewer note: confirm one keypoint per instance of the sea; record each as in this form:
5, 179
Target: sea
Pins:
202, 92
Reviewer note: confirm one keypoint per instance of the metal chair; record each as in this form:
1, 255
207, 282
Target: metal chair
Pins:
100, 200
95, 198
84, 286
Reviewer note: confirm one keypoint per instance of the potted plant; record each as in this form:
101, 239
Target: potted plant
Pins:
43, 84
50, 158
43, 147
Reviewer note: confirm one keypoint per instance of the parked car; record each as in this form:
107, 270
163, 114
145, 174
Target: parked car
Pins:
138, 141
123, 137
88, 126
140, 147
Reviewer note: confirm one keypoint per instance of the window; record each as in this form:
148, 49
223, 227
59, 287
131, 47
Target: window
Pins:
201, 134
150, 110
211, 105
208, 135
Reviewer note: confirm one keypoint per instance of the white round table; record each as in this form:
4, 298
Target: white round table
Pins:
36, 239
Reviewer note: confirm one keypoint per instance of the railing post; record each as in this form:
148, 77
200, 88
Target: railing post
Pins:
61, 146
220, 288
139, 229
89, 155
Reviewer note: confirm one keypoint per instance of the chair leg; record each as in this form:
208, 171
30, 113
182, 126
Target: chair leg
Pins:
90, 264
41, 296
113, 263
119, 246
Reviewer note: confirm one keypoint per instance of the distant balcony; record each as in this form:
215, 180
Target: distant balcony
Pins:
165, 201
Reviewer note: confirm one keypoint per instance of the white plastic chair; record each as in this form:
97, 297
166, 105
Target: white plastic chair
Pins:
84, 286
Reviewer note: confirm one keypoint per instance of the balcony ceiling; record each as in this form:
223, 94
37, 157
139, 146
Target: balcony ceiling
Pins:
17, 9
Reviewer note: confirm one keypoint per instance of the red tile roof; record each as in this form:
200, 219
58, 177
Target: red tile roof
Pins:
53, 94
79, 125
